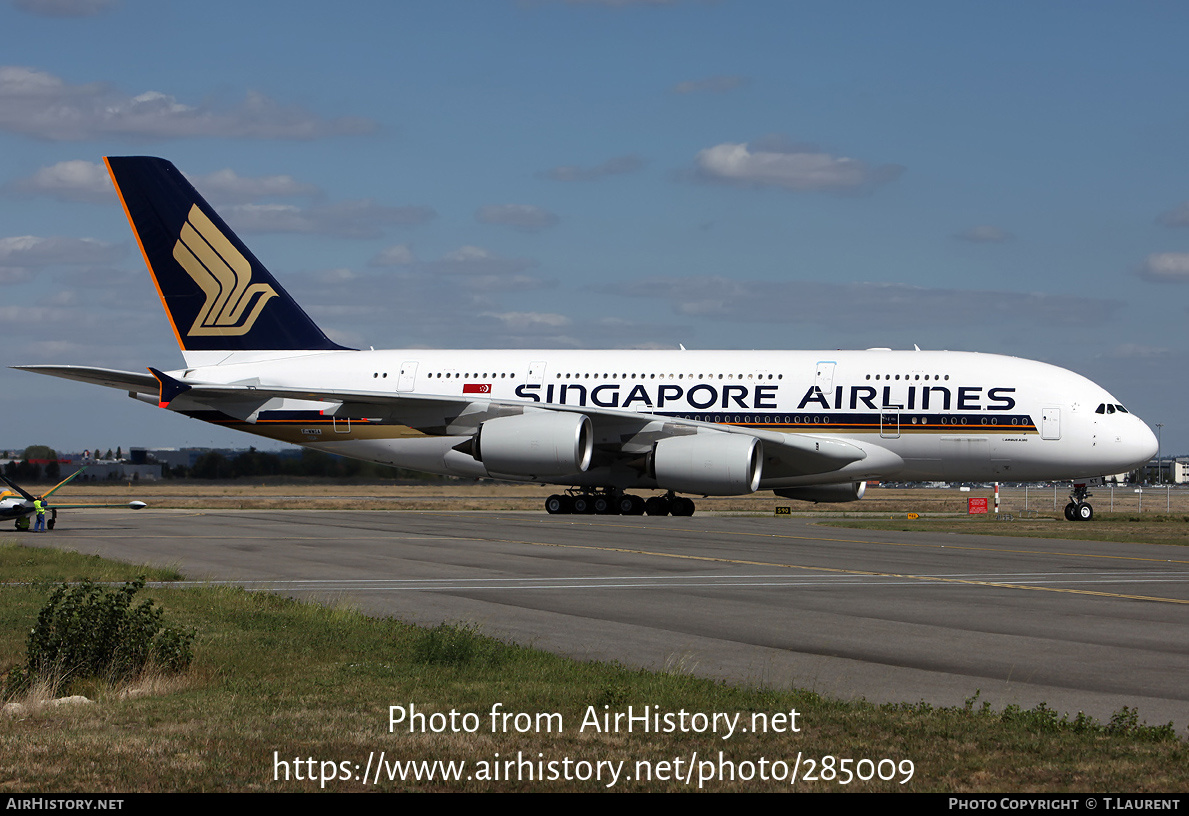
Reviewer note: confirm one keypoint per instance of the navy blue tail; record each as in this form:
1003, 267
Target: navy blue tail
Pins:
217, 295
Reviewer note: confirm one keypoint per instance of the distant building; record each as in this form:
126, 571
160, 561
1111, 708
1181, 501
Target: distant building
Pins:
1170, 470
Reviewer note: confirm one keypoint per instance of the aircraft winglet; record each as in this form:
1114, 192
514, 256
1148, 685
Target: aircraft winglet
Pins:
170, 388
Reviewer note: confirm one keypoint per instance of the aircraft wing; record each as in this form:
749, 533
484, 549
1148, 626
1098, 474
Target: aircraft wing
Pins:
134, 505
626, 432
112, 378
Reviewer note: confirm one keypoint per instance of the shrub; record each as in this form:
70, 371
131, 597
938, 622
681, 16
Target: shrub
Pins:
88, 631
457, 645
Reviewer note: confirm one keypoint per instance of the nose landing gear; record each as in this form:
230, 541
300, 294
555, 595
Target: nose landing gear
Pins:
1078, 508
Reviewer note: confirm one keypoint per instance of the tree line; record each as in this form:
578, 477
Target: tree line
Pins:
213, 465
311, 463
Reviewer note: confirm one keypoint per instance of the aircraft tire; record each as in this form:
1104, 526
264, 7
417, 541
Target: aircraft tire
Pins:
581, 505
625, 505
49, 525
657, 506
1069, 512
603, 506
555, 505
683, 506
1084, 512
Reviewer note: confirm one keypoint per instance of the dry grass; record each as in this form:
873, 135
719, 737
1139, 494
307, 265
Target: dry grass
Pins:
468, 495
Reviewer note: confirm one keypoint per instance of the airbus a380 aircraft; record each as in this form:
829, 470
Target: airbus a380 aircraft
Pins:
805, 424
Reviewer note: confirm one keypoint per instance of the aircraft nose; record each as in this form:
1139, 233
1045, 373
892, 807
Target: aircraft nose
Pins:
1142, 443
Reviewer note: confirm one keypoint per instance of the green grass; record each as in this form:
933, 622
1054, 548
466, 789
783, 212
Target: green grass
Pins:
306, 681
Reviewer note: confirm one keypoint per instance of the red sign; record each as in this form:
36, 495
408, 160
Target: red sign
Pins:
476, 388
976, 506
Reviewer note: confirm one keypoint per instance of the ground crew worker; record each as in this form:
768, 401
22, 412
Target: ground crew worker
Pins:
39, 508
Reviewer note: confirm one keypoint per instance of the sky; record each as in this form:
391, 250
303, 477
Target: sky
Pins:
999, 177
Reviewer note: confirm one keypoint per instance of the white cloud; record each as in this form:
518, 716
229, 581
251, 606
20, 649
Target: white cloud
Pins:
873, 305
522, 322
74, 180
611, 167
984, 234
504, 282
714, 84
397, 255
21, 255
620, 3
476, 261
1138, 351
33, 251
337, 275
344, 219
1166, 267
39, 104
789, 166
524, 217
227, 186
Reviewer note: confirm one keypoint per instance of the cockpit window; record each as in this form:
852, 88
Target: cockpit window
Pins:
1101, 409
1122, 410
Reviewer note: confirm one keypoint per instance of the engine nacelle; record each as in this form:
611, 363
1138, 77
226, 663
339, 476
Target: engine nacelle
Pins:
535, 444
845, 492
713, 464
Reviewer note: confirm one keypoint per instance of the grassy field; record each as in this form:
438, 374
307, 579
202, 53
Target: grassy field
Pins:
280, 690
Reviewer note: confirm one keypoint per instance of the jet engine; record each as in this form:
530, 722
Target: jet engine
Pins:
713, 464
535, 444
845, 492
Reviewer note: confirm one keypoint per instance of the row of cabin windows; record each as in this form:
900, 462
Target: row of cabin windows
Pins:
485, 374
451, 374
909, 377
1102, 408
634, 376
827, 419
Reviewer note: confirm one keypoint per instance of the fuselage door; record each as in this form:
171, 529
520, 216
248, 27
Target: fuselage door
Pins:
824, 378
536, 373
1050, 423
408, 376
889, 423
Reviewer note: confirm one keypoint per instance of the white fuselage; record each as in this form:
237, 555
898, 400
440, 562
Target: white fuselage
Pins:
917, 415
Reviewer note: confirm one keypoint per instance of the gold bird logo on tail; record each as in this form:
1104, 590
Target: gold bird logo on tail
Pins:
223, 274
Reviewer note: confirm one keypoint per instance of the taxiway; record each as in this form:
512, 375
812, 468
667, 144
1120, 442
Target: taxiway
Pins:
1081, 626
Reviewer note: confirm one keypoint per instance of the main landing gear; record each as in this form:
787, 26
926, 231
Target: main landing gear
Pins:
613, 503
1078, 508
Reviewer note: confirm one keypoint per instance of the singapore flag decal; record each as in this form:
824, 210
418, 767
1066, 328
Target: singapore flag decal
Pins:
476, 388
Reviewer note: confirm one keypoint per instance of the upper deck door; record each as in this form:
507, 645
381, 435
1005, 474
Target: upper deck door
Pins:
824, 378
408, 376
1050, 423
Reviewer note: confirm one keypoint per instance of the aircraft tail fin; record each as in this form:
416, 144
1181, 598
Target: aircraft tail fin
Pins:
218, 296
